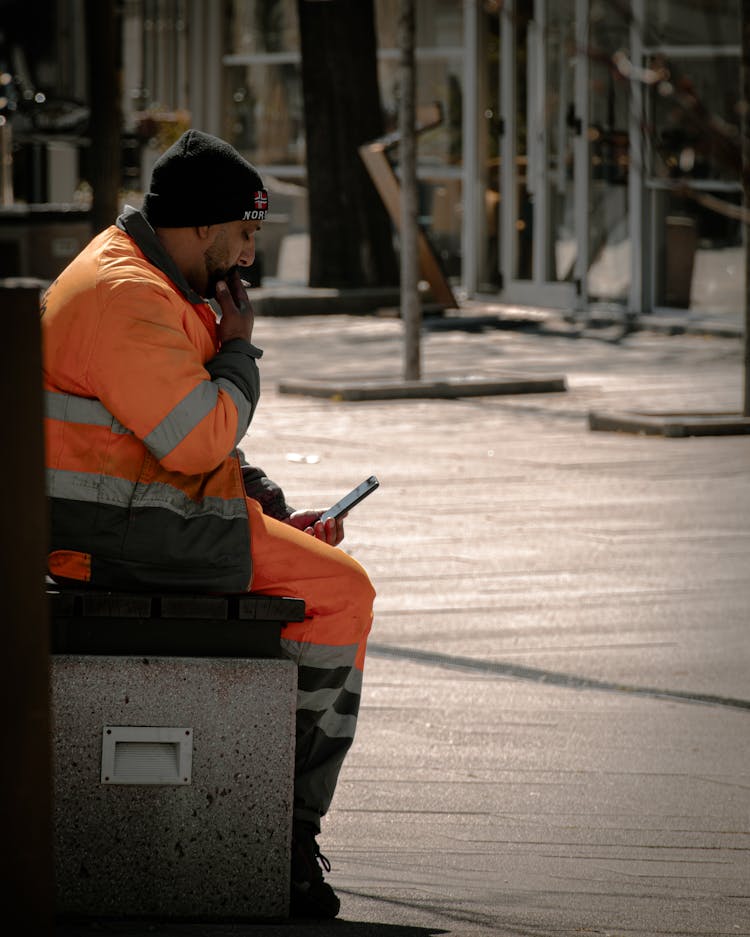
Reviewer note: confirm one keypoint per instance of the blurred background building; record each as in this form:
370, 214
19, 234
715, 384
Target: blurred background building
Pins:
588, 152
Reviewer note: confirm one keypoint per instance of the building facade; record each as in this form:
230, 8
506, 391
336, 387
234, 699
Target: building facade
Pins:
588, 150
587, 153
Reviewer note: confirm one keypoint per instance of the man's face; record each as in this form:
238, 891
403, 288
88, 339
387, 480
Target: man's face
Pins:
233, 246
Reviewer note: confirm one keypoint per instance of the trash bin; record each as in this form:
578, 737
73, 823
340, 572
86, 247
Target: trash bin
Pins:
681, 242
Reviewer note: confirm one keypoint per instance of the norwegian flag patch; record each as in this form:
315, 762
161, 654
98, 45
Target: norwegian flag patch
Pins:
259, 212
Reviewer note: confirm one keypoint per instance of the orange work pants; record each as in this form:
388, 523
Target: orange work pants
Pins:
328, 647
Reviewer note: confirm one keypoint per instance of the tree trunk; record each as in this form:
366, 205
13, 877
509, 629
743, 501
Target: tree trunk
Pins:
351, 241
103, 46
410, 308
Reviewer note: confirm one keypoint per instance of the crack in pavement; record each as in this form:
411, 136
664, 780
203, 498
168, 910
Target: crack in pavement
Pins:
548, 677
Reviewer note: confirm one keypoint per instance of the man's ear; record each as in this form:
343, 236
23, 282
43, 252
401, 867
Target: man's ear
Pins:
203, 231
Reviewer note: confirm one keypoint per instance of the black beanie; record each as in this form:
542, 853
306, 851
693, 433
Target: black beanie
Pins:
201, 180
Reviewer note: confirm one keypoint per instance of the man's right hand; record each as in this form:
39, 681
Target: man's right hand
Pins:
237, 316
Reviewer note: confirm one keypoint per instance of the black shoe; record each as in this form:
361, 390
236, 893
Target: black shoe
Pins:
310, 896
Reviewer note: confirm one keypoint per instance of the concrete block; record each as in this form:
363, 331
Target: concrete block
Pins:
449, 388
214, 844
669, 424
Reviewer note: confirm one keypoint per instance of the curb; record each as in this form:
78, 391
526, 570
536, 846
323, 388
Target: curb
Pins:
670, 425
450, 388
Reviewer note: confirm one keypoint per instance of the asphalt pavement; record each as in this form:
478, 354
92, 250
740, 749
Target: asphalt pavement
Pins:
555, 727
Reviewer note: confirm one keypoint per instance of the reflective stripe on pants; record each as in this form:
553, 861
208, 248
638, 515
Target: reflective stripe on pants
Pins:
328, 647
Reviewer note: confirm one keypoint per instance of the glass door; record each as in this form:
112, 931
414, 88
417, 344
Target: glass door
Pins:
542, 249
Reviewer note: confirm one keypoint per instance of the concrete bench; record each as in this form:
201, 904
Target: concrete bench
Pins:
173, 754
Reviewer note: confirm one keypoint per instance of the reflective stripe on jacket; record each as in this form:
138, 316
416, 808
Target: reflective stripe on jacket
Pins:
143, 416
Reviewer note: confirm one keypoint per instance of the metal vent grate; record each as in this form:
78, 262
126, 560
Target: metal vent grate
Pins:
146, 755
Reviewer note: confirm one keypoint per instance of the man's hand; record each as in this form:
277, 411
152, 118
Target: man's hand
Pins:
330, 531
237, 316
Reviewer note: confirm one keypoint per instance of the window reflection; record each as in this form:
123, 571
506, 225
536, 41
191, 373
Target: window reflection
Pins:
686, 22
695, 118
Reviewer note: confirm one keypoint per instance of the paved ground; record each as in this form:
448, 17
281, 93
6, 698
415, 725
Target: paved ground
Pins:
555, 732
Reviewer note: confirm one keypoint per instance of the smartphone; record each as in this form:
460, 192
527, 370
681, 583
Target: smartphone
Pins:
354, 497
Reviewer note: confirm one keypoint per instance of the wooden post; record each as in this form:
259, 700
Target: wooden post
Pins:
375, 158
746, 189
27, 775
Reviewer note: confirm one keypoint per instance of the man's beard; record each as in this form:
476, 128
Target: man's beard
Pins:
218, 273
214, 259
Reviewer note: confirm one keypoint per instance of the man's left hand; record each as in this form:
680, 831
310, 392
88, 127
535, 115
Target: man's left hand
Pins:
330, 531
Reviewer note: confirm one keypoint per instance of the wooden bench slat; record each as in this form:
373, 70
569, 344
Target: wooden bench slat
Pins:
169, 624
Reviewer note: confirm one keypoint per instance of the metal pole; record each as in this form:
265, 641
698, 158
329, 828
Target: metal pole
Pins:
640, 293
411, 312
474, 183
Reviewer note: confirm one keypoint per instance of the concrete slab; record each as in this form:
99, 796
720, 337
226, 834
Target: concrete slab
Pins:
520, 809
450, 388
669, 424
135, 836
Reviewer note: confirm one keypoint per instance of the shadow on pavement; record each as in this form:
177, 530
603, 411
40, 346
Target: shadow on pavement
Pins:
370, 929
291, 928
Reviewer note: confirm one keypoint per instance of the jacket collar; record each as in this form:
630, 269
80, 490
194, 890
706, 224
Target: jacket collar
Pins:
134, 224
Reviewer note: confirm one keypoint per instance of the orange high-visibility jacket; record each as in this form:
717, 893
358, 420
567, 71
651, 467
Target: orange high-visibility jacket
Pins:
143, 416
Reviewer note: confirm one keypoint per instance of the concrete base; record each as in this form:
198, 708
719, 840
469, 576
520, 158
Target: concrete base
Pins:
448, 388
319, 301
212, 844
670, 424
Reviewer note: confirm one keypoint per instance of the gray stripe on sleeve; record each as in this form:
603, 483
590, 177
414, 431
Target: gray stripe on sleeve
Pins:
182, 419
244, 407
